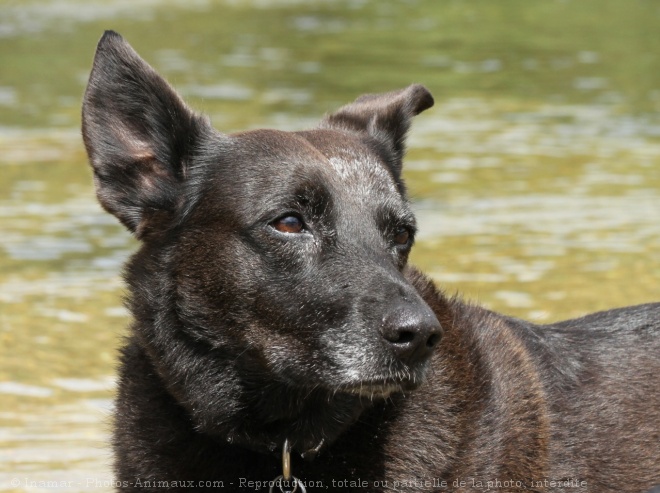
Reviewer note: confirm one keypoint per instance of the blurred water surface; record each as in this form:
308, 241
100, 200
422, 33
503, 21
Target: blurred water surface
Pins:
536, 176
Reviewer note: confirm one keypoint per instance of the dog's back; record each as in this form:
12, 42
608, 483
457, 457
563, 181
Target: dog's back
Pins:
603, 381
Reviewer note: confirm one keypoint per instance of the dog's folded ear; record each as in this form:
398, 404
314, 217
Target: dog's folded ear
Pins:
384, 118
139, 136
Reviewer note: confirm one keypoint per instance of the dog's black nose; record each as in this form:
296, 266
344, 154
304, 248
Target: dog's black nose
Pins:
412, 332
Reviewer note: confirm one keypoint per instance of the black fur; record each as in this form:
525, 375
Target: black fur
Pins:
246, 333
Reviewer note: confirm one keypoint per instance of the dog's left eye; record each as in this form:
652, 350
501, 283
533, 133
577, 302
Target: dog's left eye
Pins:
402, 236
289, 224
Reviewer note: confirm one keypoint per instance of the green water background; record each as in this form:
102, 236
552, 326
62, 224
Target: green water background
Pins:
536, 177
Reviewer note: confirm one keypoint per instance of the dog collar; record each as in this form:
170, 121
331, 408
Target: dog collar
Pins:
287, 482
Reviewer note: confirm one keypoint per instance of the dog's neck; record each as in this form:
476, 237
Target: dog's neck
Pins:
308, 418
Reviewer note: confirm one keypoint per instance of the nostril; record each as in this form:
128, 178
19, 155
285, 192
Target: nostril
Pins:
404, 337
433, 340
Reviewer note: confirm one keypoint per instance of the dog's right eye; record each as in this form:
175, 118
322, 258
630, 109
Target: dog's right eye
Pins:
289, 224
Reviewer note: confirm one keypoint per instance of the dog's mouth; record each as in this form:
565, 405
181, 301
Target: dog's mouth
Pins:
377, 389
373, 391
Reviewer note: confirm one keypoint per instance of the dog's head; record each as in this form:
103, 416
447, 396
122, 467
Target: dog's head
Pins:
284, 249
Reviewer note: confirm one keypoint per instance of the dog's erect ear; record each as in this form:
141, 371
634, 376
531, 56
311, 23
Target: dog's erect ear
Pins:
139, 136
385, 118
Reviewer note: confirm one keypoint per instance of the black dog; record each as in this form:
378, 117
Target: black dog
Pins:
273, 303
